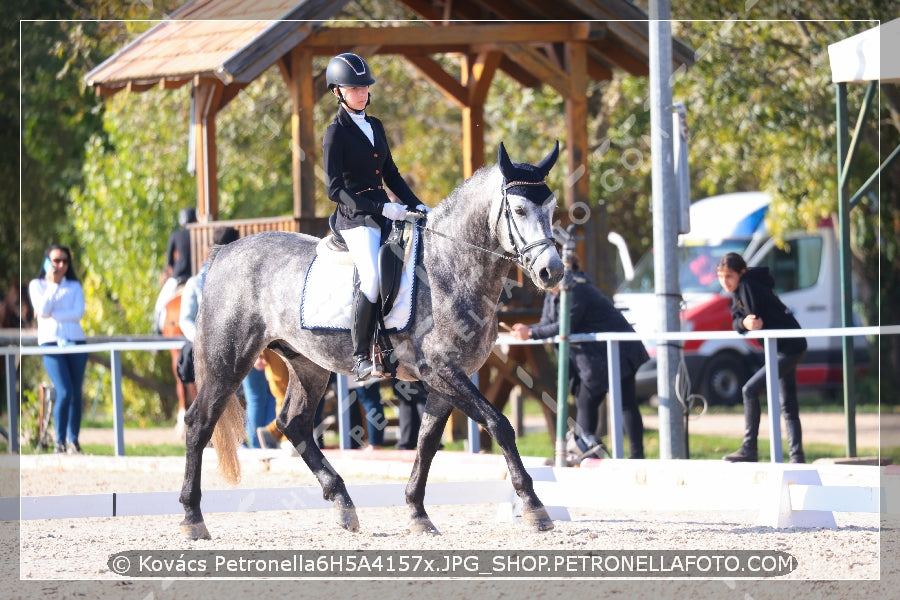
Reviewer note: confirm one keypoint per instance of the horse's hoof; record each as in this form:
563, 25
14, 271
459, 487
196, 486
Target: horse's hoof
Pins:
195, 531
346, 518
538, 519
423, 525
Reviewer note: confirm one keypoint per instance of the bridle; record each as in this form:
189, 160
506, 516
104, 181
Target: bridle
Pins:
521, 257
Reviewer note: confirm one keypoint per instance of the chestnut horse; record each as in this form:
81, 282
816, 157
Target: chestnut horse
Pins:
185, 392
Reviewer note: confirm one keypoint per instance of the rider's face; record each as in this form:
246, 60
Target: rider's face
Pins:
355, 97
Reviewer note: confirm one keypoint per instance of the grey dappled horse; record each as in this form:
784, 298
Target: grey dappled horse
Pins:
251, 300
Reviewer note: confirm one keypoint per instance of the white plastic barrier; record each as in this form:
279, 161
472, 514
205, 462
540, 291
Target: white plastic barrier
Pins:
783, 496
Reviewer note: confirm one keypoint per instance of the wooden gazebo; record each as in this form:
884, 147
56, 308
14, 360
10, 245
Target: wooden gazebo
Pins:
221, 46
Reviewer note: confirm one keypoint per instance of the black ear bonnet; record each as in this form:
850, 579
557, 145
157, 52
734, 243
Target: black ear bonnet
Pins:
523, 179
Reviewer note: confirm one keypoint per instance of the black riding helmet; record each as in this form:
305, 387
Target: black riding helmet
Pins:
349, 70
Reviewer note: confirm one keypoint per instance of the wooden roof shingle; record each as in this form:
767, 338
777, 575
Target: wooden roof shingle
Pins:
235, 40
232, 40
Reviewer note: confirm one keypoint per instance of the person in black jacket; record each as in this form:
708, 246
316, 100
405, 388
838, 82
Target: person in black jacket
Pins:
592, 312
755, 306
357, 163
178, 266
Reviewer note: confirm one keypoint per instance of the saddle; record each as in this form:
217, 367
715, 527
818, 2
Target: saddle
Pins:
393, 256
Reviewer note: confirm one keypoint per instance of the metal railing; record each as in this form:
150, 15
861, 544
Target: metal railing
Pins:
115, 348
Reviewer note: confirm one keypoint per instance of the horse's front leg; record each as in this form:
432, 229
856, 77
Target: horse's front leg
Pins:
459, 390
430, 431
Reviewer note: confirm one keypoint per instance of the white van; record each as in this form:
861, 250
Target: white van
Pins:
806, 273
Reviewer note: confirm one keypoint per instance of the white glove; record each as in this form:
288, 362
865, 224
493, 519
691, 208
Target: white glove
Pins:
394, 211
423, 209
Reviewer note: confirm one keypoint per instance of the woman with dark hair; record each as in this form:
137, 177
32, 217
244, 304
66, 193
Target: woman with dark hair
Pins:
755, 306
58, 302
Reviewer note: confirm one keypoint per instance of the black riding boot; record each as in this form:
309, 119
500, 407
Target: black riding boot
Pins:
748, 450
795, 440
361, 330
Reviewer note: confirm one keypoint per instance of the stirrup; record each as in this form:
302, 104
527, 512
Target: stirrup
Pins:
362, 367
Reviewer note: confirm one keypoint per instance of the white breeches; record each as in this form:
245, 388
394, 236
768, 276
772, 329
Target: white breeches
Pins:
363, 243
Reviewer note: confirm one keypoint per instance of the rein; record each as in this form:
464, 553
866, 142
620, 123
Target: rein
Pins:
520, 259
511, 259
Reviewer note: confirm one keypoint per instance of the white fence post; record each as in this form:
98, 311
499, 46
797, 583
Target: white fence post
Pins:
12, 406
115, 364
614, 426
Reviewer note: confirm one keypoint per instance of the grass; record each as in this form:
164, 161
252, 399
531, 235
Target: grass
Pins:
702, 447
109, 450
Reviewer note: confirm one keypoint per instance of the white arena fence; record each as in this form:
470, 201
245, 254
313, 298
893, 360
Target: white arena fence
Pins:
780, 496
612, 339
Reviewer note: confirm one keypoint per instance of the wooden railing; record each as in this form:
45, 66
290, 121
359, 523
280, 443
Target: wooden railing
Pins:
202, 233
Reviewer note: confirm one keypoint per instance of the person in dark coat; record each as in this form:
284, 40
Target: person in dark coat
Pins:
178, 266
411, 397
755, 306
357, 164
592, 312
178, 250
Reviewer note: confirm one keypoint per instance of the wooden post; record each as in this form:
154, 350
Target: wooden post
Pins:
578, 189
207, 99
472, 124
473, 139
476, 74
598, 262
303, 143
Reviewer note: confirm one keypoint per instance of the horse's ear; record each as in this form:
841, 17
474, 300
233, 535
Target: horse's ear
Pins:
545, 165
506, 166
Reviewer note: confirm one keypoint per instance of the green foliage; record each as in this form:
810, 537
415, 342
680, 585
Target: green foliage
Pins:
57, 118
254, 151
134, 185
108, 177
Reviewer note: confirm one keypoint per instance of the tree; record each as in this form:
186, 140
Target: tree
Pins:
115, 170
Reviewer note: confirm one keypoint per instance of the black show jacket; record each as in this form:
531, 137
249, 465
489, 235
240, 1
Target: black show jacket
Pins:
355, 172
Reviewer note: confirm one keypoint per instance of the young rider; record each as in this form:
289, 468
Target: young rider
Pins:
358, 162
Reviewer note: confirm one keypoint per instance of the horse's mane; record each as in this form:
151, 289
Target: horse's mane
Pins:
213, 251
466, 193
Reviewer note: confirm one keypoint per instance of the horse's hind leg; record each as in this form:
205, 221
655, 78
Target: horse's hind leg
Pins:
200, 420
305, 389
433, 422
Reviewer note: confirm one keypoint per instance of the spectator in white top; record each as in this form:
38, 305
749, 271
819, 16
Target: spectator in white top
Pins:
58, 302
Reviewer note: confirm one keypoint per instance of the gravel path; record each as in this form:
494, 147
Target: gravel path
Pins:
828, 561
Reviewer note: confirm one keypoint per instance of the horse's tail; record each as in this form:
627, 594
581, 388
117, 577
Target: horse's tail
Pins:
229, 431
226, 437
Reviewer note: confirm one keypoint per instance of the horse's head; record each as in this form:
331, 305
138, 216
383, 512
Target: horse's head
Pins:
523, 218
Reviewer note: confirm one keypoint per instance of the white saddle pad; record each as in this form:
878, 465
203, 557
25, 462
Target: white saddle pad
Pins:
328, 292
